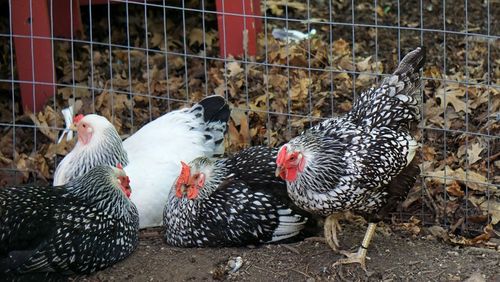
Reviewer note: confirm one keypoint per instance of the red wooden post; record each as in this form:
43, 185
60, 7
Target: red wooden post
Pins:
256, 12
234, 28
99, 2
62, 12
34, 56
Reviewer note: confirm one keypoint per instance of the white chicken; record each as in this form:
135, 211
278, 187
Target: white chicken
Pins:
152, 156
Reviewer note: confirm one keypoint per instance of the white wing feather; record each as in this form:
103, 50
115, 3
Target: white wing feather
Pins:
155, 153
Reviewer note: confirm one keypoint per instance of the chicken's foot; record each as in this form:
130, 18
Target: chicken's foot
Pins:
331, 227
360, 255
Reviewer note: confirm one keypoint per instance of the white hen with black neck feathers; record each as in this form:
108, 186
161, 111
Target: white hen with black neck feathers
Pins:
103, 147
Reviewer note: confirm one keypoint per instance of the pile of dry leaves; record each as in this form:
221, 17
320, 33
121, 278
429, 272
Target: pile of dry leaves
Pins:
277, 94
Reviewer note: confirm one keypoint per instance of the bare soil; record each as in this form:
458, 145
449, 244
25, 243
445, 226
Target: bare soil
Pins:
394, 256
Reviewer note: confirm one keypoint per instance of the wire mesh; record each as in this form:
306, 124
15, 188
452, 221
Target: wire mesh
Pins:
133, 61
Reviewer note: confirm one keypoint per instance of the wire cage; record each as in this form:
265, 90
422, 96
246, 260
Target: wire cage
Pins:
133, 61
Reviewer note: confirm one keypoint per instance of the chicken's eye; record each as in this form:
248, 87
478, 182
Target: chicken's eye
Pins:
292, 158
84, 125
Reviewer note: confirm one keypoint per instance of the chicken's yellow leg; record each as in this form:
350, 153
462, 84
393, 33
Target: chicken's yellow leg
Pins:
360, 255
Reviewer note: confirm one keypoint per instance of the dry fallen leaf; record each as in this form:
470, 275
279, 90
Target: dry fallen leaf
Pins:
299, 91
473, 152
451, 93
428, 152
432, 113
455, 190
341, 47
413, 226
195, 36
472, 179
278, 7
364, 65
238, 138
488, 206
157, 40
234, 69
44, 120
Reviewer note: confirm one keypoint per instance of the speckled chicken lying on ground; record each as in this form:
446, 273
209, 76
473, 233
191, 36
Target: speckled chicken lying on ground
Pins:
231, 202
361, 162
83, 226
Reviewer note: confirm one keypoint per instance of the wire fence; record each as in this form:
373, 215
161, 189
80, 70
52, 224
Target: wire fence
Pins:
132, 61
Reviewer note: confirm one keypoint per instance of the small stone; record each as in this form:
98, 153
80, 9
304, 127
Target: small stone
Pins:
235, 264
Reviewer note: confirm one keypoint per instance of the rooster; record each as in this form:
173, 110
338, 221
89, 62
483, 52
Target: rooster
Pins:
231, 202
152, 155
361, 162
83, 226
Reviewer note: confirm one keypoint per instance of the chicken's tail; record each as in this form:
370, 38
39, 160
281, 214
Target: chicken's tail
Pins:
290, 224
216, 114
406, 80
411, 63
404, 85
215, 109
397, 101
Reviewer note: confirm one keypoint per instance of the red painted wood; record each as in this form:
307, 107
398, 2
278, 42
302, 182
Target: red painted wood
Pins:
257, 12
232, 27
62, 15
98, 2
37, 60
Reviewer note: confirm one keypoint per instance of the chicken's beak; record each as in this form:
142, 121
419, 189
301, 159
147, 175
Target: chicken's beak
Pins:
278, 171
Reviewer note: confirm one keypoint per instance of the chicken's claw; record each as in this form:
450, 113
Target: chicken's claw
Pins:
357, 257
331, 227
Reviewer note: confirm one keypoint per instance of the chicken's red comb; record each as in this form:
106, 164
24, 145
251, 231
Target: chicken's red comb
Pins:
185, 173
281, 156
78, 118
119, 166
183, 179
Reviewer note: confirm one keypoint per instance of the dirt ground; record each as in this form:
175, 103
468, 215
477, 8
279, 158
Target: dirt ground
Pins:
394, 256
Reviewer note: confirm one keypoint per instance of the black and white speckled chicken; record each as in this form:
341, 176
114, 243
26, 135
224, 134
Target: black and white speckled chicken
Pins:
361, 162
230, 202
83, 226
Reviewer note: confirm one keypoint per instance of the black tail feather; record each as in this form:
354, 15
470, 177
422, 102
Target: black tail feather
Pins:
412, 62
215, 108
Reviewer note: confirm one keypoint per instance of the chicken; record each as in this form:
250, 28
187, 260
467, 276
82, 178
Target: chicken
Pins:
83, 226
231, 202
152, 155
362, 162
